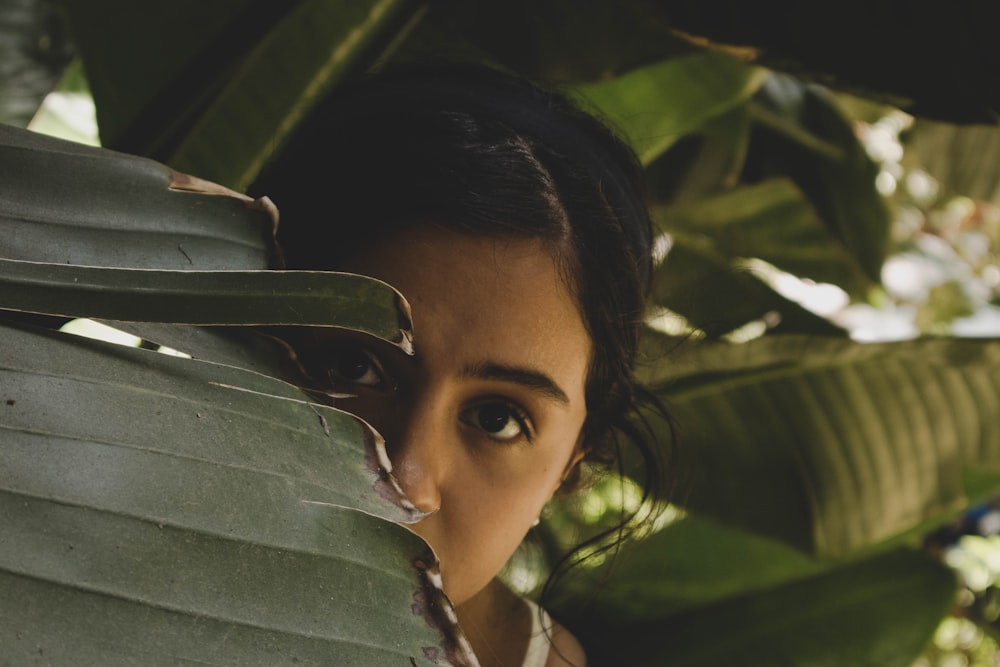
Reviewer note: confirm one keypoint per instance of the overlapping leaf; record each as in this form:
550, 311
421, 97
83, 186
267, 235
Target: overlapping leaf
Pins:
208, 297
67, 203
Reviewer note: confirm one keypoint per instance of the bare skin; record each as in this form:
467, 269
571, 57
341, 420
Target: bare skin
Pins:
483, 423
498, 624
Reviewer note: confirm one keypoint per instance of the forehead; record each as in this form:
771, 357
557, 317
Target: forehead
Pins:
483, 299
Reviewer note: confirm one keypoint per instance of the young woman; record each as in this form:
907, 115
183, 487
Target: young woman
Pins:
514, 225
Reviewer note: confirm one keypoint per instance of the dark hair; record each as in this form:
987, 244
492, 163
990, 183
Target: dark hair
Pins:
478, 150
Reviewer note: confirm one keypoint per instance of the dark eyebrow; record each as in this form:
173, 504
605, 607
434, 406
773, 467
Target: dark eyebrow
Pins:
523, 376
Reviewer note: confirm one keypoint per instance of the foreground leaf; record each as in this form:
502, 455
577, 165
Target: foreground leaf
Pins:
159, 509
210, 427
84, 586
67, 203
312, 298
245, 348
71, 209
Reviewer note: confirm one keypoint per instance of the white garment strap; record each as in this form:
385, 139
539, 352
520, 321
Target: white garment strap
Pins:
538, 643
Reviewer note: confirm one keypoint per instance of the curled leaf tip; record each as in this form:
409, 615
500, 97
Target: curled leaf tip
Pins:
405, 323
377, 460
406, 342
267, 207
431, 603
180, 182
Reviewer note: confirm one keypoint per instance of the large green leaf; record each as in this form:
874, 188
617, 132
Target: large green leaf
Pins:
212, 420
702, 164
774, 222
801, 134
558, 41
241, 347
698, 282
829, 444
702, 276
83, 586
221, 116
880, 611
697, 592
689, 564
273, 87
702, 593
158, 509
655, 105
161, 76
314, 298
962, 158
67, 203
162, 509
116, 210
36, 47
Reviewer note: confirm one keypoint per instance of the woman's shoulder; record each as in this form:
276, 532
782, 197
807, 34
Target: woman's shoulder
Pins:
551, 644
566, 649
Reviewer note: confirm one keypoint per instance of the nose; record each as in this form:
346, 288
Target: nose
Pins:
416, 444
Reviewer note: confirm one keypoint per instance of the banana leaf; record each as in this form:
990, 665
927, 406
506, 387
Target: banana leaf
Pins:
831, 445
217, 102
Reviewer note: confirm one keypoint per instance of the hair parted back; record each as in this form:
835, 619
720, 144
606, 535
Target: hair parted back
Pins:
474, 149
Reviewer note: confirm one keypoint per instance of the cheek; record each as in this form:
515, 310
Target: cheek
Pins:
513, 496
483, 542
501, 502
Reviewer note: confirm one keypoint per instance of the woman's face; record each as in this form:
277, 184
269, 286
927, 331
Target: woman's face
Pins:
483, 422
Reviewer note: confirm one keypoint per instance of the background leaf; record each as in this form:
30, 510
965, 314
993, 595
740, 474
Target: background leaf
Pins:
655, 105
876, 612
772, 221
717, 297
552, 40
831, 445
795, 122
267, 64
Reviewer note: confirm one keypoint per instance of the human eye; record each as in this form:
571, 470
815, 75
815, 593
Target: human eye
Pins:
354, 365
499, 420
